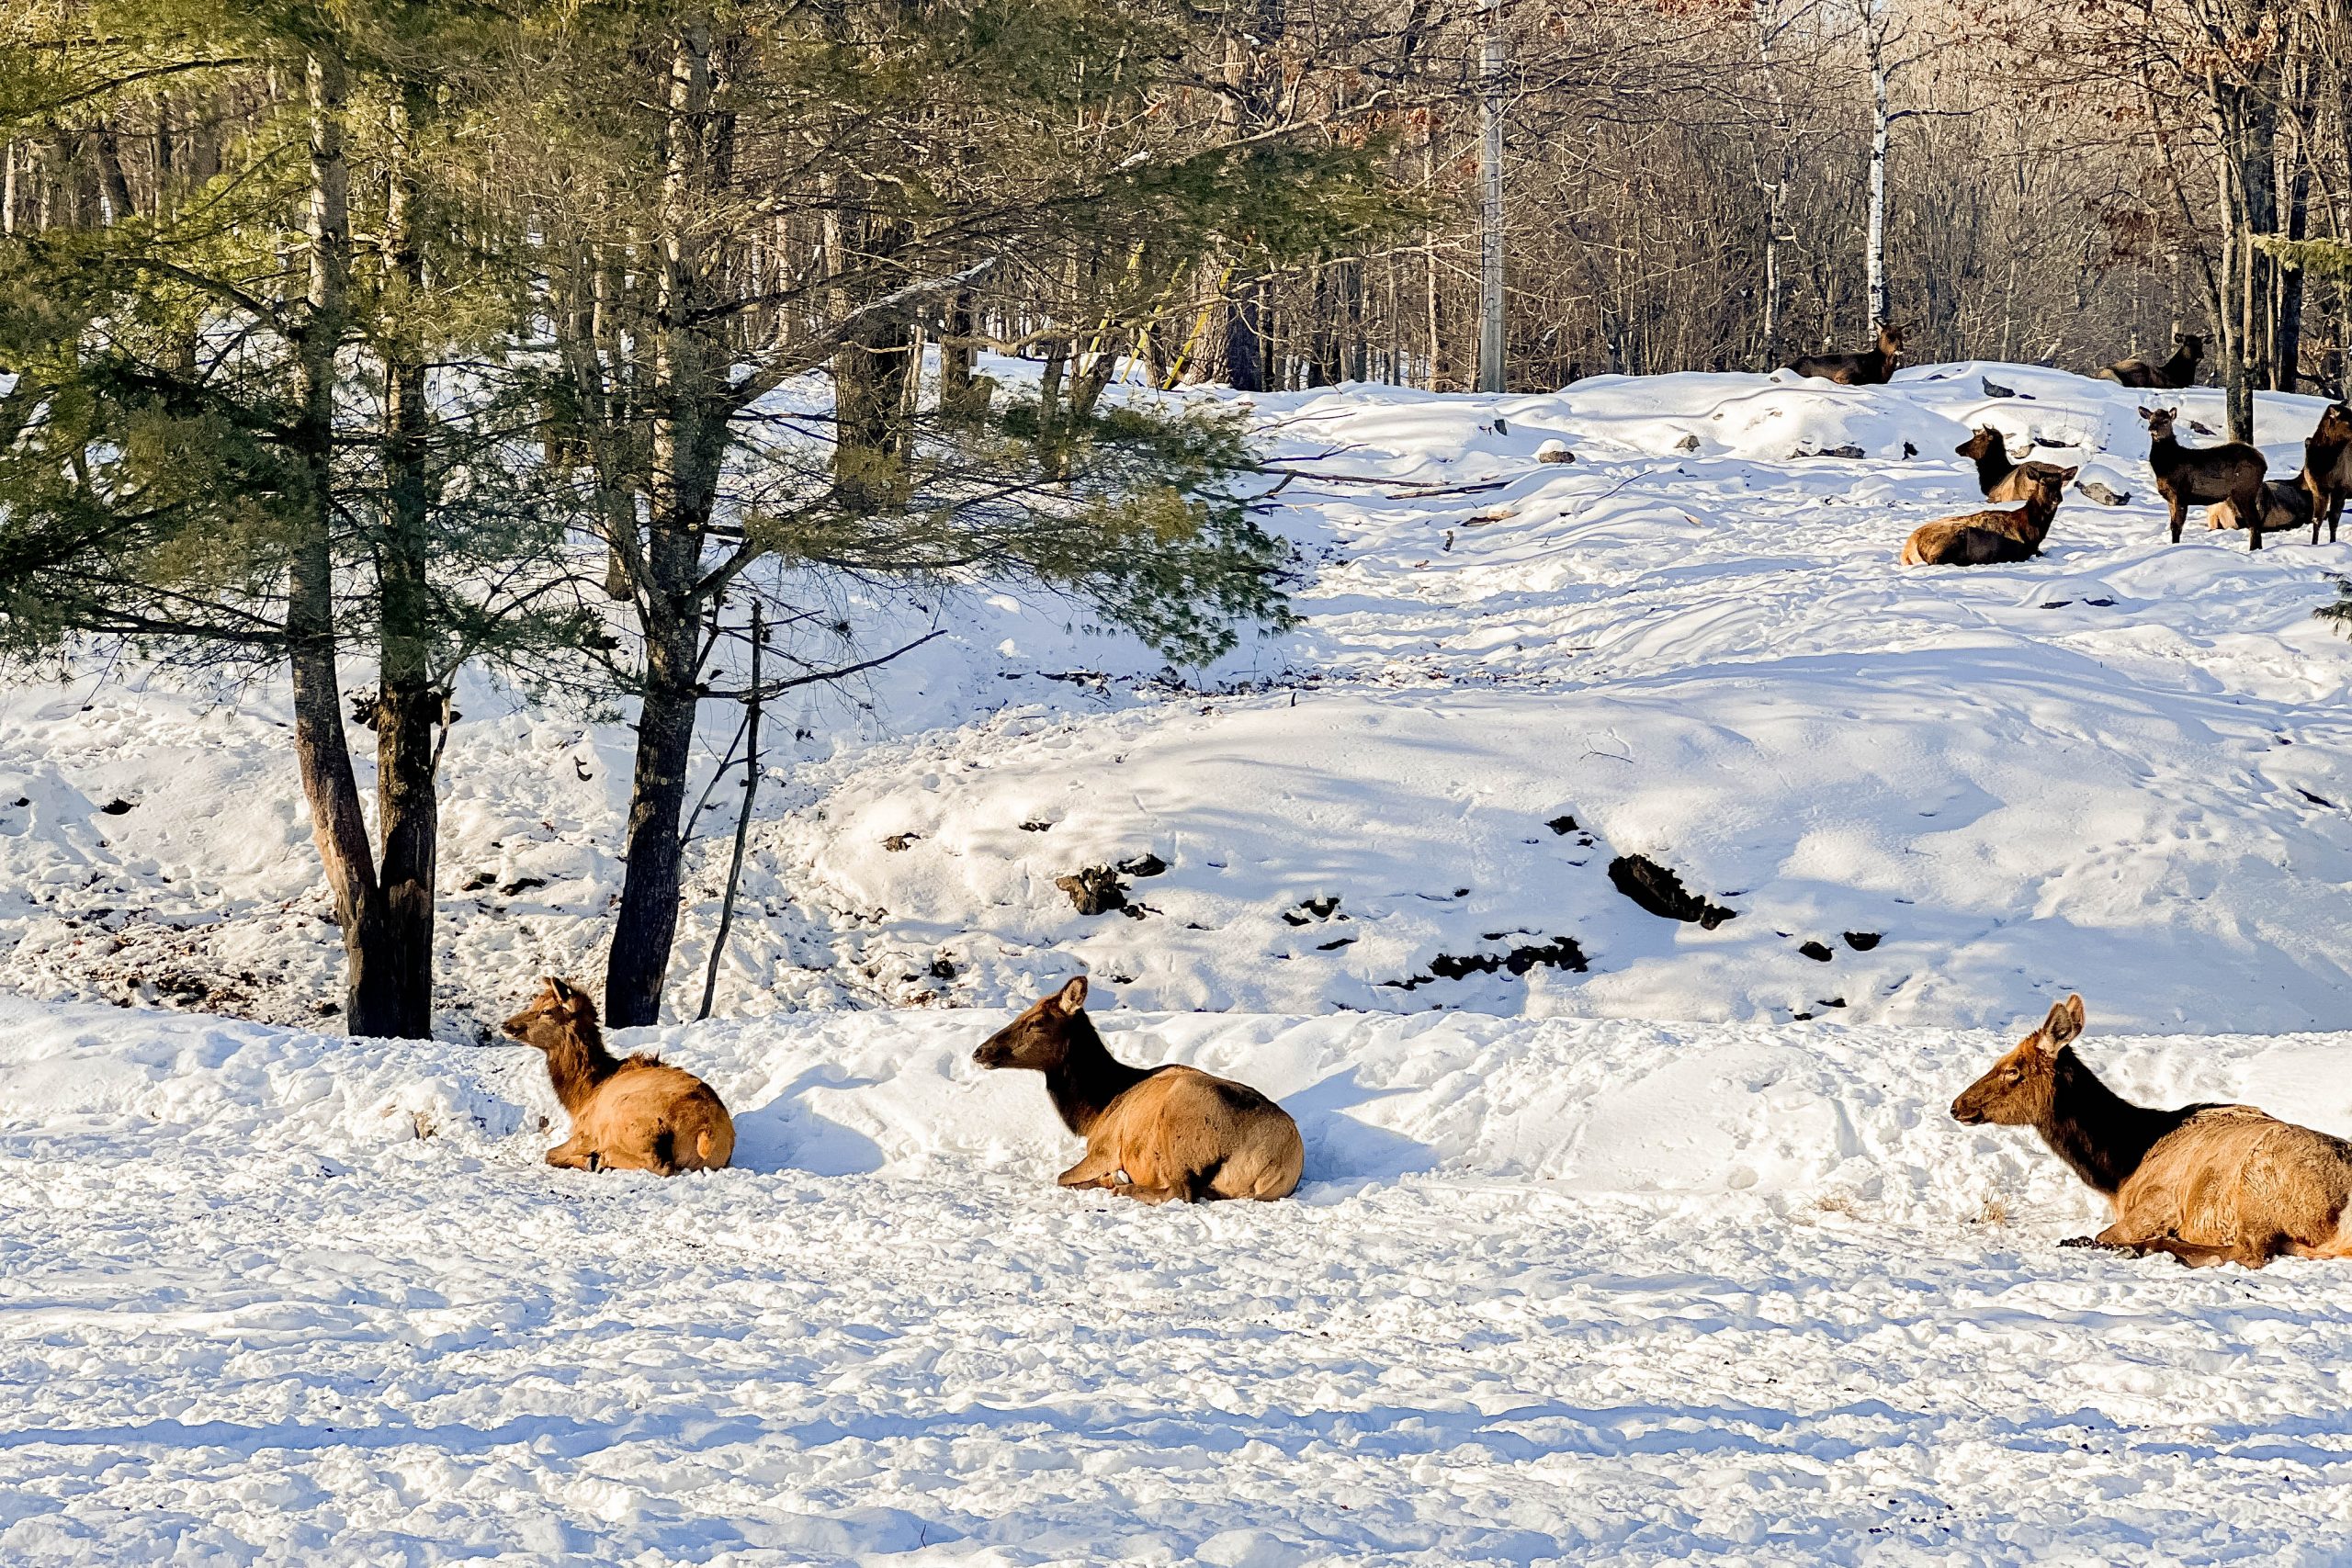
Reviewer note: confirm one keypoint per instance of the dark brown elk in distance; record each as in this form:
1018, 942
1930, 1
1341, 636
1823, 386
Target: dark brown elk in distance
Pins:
2188, 476
1981, 539
2327, 468
2205, 1183
2178, 371
639, 1115
1870, 368
1151, 1133
1998, 478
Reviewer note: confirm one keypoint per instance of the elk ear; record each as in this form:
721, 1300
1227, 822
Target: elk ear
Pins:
2063, 1024
560, 988
1070, 1000
2070, 473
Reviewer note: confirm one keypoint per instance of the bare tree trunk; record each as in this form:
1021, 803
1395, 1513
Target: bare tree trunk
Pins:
1490, 201
688, 435
409, 703
742, 818
1874, 252
323, 757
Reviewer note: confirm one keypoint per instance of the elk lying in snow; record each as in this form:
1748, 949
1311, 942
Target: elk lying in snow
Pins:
1980, 539
2285, 504
2191, 475
1871, 368
1999, 478
639, 1114
2206, 1183
1151, 1133
2180, 370
2327, 468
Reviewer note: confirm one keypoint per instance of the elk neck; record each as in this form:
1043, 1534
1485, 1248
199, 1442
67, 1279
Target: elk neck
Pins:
578, 1064
1089, 1078
2100, 1133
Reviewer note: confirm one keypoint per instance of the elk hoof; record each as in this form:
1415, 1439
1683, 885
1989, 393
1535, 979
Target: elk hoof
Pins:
2081, 1241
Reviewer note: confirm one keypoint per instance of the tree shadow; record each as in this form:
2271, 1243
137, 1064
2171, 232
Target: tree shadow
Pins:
784, 1132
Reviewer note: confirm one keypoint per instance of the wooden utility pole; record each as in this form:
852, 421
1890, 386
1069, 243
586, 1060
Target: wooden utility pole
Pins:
1491, 213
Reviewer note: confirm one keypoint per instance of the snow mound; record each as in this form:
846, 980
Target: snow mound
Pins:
1930, 796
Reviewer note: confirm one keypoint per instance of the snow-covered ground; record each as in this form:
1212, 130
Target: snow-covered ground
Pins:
1591, 1291
1564, 1283
2126, 765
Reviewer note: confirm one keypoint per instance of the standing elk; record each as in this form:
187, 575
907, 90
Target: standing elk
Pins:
1998, 478
2327, 468
2205, 1183
639, 1115
2190, 475
1151, 1133
1981, 539
1870, 368
2178, 371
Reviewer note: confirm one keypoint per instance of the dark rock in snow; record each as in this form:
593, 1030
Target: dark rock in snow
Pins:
1563, 825
1661, 892
1096, 890
897, 841
1817, 952
1144, 864
116, 807
1995, 389
2105, 494
1559, 953
1861, 942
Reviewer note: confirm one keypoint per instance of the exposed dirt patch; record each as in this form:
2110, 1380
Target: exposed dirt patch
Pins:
1661, 892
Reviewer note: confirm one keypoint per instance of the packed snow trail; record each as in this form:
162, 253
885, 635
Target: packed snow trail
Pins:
2121, 767
1557, 1290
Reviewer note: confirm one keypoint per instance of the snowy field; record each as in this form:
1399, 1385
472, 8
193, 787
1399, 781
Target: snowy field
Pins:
1553, 1290
1565, 1282
2124, 765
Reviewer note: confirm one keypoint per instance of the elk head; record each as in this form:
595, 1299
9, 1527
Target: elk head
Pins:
2018, 1090
561, 1010
1039, 1039
2159, 422
1981, 440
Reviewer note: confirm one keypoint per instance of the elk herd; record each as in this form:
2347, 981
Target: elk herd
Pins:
2233, 479
2205, 1183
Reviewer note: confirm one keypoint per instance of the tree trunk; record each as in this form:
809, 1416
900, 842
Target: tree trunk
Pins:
323, 757
1874, 253
1490, 201
409, 704
689, 438
647, 922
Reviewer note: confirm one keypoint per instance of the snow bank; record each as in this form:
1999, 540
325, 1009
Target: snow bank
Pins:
2117, 767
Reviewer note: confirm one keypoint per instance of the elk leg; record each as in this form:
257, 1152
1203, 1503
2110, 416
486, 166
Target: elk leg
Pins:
2179, 515
1096, 1169
570, 1156
2196, 1255
1154, 1195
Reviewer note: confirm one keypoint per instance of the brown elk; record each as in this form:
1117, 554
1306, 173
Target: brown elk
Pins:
2178, 371
2205, 1183
1870, 368
2286, 503
2185, 476
1998, 478
1151, 1133
1981, 539
2327, 468
639, 1115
